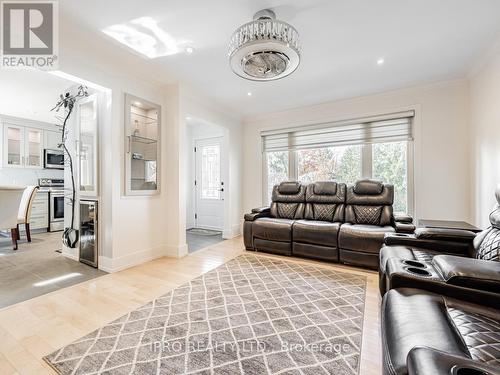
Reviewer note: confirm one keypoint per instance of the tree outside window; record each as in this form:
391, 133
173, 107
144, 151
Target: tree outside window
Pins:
341, 163
389, 163
277, 170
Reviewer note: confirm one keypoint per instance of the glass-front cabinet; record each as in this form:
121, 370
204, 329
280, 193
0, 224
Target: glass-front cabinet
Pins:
142, 146
88, 146
33, 148
22, 147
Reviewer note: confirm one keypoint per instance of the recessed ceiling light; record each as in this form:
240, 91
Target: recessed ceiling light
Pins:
249, 93
137, 104
188, 118
380, 61
144, 36
189, 50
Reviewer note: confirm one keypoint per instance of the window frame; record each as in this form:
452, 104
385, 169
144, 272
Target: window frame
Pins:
366, 171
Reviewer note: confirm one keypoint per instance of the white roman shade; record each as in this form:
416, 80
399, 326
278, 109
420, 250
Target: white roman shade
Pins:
388, 128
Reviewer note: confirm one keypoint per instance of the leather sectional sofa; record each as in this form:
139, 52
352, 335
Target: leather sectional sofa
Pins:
326, 220
451, 323
444, 260
427, 333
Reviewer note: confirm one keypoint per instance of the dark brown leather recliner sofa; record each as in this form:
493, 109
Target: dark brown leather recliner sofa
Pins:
455, 261
449, 321
326, 220
428, 333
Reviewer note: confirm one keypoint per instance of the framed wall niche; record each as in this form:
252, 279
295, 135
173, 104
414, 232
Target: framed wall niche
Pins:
142, 146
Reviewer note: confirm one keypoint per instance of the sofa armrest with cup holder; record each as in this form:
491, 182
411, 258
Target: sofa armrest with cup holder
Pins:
424, 360
403, 223
439, 276
439, 244
469, 272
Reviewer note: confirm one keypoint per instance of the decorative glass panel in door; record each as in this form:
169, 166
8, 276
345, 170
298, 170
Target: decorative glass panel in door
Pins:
88, 145
209, 186
33, 148
142, 131
13, 146
210, 172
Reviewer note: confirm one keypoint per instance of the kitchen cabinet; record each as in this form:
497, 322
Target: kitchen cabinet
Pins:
39, 218
51, 139
142, 148
22, 147
23, 142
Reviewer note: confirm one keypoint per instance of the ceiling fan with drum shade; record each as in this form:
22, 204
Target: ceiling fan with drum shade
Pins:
264, 49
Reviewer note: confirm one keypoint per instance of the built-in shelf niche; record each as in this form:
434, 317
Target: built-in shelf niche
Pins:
142, 146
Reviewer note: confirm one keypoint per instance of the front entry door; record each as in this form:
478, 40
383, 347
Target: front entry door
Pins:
209, 188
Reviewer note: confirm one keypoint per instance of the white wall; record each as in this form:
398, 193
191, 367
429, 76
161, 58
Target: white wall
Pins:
134, 229
485, 136
442, 173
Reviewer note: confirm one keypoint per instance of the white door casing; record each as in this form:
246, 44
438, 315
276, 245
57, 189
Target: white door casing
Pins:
209, 187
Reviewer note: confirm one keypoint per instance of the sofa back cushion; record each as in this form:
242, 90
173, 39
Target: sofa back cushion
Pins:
369, 202
487, 245
288, 200
325, 201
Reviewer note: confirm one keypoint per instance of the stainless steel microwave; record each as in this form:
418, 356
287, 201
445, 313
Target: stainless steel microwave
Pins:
53, 159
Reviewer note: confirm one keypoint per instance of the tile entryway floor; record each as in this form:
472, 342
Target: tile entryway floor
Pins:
197, 241
36, 268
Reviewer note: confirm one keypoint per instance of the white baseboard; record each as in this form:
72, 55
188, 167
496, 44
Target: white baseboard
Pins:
117, 264
176, 251
70, 253
235, 231
71, 256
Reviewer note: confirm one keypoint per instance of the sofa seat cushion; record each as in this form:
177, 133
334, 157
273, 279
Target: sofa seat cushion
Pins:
412, 318
362, 237
316, 232
274, 229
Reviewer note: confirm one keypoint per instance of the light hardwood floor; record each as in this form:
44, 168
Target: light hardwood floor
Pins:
34, 328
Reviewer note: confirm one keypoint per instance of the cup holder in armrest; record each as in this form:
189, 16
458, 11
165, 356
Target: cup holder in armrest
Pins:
418, 271
459, 370
414, 263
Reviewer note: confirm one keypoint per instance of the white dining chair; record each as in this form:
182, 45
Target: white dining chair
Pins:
10, 199
24, 214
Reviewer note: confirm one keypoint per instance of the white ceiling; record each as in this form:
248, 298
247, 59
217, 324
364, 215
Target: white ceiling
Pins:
31, 94
420, 40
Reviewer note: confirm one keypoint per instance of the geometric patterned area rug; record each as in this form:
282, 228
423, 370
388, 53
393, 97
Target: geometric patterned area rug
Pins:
252, 315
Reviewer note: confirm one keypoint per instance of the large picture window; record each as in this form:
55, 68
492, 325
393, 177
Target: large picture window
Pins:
343, 152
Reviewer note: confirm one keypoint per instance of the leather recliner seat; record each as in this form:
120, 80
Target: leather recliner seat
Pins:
426, 333
368, 217
327, 221
316, 235
271, 230
463, 258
